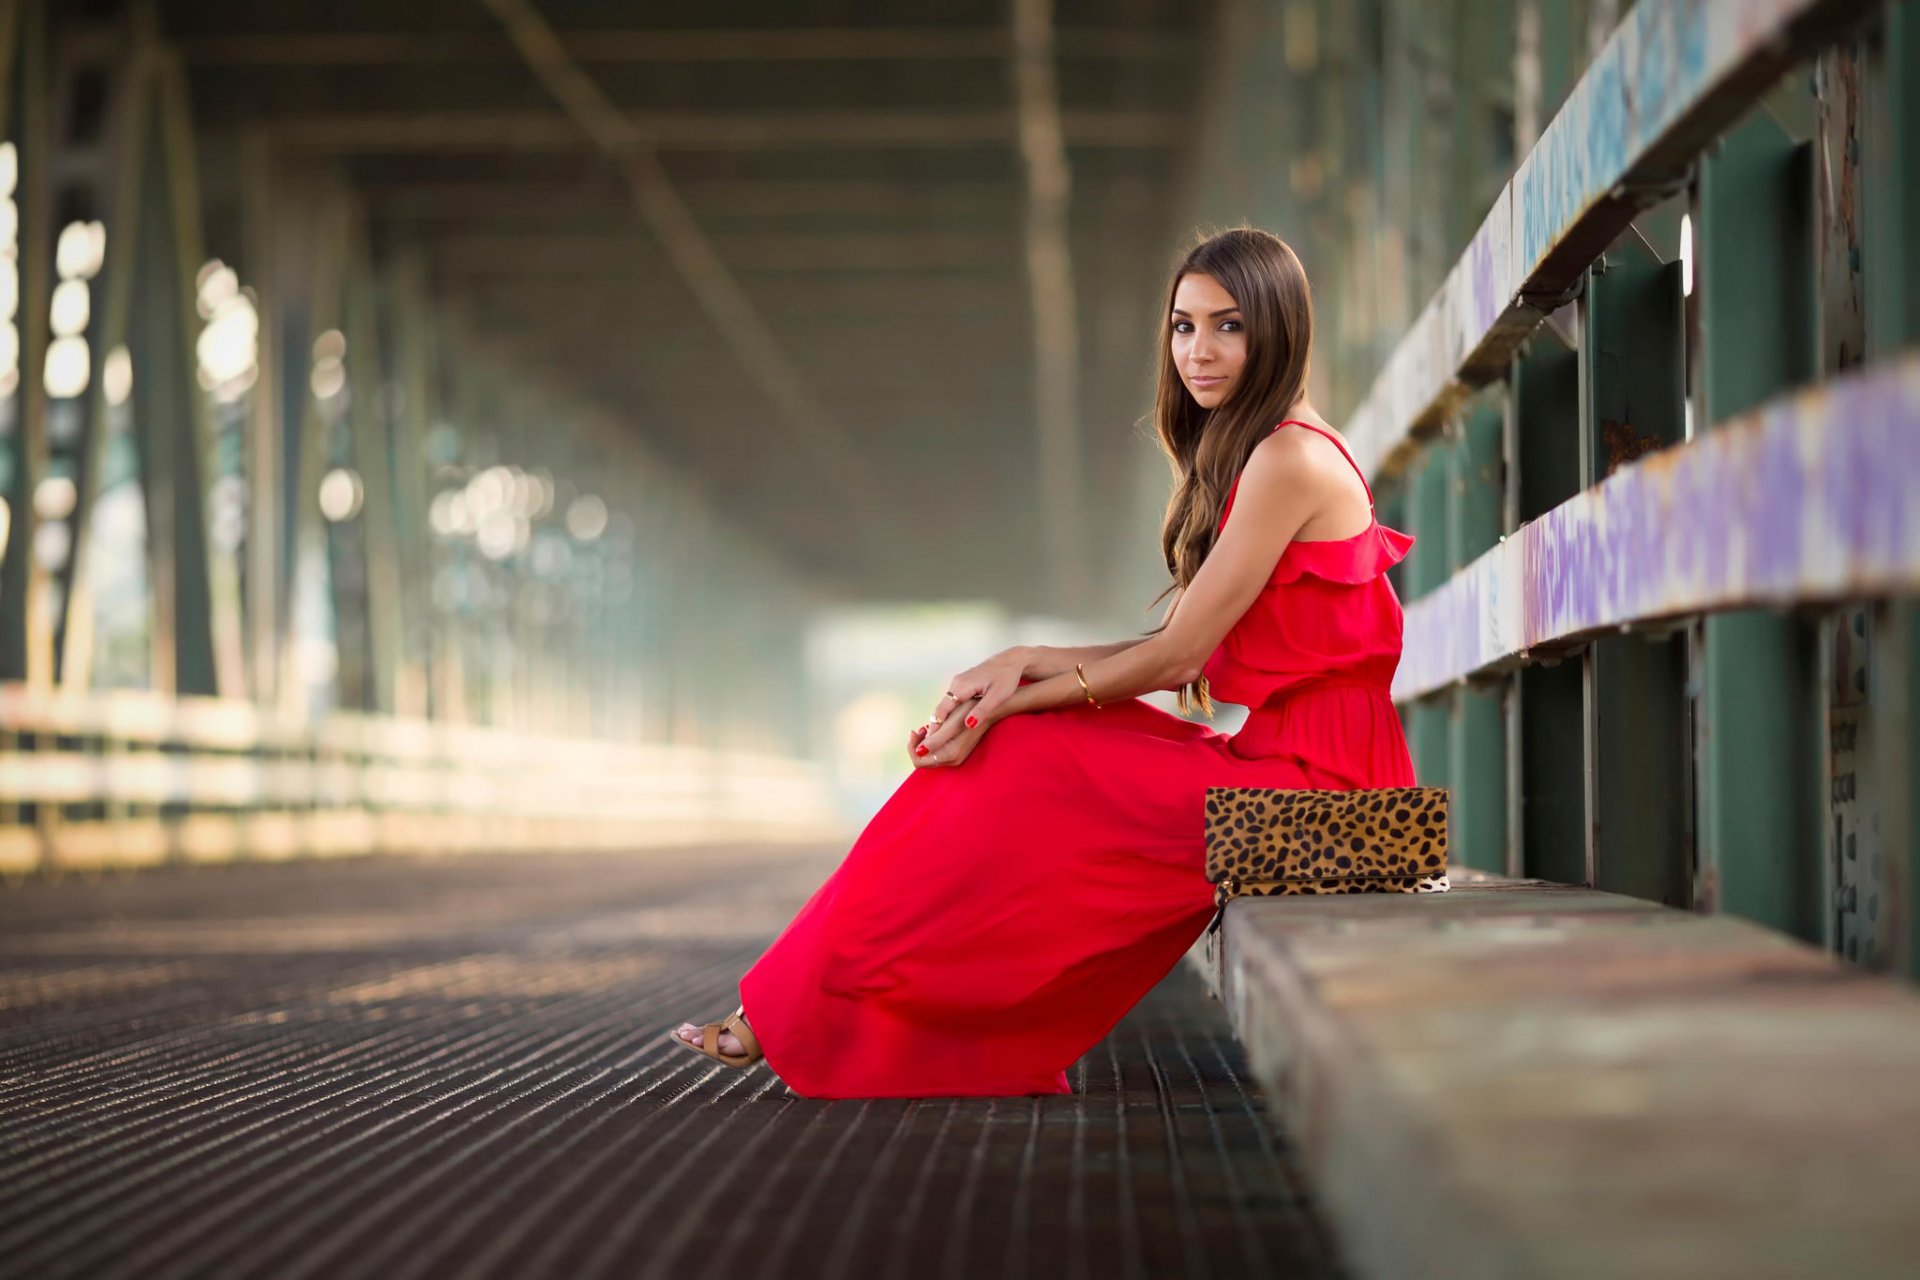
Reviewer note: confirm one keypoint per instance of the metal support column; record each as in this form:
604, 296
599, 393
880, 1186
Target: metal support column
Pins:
1886, 872
22, 157
1633, 347
1758, 741
1477, 749
1550, 744
1858, 924
1429, 565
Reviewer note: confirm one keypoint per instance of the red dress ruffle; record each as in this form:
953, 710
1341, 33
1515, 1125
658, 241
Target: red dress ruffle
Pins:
993, 921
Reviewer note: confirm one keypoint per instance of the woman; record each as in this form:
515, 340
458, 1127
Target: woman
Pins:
1042, 867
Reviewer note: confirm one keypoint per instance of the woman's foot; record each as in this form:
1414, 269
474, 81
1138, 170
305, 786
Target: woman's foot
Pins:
729, 1043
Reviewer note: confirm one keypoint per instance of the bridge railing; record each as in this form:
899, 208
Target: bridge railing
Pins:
1658, 435
130, 779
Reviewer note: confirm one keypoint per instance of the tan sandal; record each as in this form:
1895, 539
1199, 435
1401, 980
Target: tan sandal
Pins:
709, 1045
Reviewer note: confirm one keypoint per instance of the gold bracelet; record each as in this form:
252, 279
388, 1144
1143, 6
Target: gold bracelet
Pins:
1083, 686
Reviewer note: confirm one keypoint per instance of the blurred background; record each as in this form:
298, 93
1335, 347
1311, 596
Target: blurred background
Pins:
718, 378
538, 424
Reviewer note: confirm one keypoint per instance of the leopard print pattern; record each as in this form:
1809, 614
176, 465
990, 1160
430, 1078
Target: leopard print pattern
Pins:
1267, 841
1351, 884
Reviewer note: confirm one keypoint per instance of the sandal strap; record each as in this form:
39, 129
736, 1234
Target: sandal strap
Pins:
736, 1022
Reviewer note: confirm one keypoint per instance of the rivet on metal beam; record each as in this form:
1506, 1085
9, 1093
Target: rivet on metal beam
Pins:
1546, 301
1654, 190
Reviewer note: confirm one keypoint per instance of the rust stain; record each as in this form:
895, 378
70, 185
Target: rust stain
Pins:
1624, 444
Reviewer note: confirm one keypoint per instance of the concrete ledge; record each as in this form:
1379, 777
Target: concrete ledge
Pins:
1520, 1079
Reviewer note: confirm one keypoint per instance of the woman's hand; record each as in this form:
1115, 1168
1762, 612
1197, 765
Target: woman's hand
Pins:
987, 685
948, 745
967, 710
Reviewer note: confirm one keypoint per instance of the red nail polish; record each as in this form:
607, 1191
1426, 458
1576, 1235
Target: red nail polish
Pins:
919, 751
972, 722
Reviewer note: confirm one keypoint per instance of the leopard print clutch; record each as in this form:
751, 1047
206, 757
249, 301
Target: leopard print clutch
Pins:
1269, 840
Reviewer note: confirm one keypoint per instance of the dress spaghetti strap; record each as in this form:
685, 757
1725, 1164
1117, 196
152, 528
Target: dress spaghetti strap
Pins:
1336, 444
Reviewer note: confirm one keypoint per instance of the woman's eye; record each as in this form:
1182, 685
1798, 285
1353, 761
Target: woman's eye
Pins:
1229, 324
1182, 326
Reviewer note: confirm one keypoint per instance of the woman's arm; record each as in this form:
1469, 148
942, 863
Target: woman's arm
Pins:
1283, 484
1043, 660
1048, 660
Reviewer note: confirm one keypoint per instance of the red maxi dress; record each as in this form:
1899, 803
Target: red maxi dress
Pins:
995, 919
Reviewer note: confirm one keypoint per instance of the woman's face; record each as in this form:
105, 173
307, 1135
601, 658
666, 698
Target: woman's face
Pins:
1209, 338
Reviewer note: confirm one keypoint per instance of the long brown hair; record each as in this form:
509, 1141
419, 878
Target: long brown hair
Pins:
1207, 447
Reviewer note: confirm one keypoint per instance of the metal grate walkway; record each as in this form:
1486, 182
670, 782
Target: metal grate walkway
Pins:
423, 1068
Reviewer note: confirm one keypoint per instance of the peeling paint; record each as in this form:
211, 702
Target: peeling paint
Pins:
1655, 88
1815, 496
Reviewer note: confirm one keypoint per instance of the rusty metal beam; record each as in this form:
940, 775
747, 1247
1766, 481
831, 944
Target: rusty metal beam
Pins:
654, 132
267, 581
935, 205
866, 359
845, 470
929, 252
940, 299
27, 613
1056, 332
626, 45
862, 197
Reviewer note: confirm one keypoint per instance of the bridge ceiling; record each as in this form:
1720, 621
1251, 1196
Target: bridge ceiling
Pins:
855, 167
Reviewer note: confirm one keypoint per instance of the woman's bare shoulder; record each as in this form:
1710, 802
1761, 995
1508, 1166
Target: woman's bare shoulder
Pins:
1292, 459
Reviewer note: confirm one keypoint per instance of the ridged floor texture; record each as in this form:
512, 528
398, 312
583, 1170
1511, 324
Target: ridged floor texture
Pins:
408, 1068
